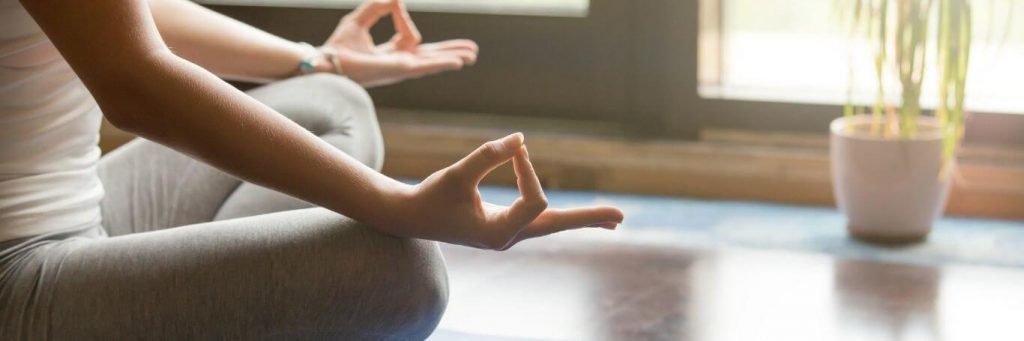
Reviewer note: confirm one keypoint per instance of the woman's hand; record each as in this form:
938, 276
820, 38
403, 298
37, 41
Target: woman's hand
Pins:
447, 206
401, 58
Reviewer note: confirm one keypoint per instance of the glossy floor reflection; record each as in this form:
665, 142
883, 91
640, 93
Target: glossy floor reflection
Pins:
629, 285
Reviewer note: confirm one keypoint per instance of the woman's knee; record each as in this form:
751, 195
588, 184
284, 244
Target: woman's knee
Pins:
412, 274
318, 102
352, 93
427, 287
332, 107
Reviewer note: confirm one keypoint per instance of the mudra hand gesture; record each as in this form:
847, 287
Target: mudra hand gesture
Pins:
447, 205
403, 57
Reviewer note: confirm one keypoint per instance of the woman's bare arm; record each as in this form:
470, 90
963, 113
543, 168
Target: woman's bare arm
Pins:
142, 87
235, 50
226, 47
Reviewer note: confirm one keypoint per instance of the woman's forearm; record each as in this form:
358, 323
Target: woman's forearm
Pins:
227, 47
227, 129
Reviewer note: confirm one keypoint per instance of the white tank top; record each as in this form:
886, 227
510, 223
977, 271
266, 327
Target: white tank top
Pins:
49, 130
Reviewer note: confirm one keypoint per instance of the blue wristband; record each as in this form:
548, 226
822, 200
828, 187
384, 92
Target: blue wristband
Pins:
310, 61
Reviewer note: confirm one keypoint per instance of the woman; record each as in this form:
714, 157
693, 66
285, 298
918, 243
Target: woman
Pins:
176, 249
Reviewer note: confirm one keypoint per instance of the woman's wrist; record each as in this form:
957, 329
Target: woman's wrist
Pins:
323, 64
318, 60
332, 60
391, 209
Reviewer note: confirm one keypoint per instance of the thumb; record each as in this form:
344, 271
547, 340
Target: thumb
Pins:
489, 156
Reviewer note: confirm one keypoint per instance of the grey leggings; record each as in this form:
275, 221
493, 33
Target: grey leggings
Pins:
190, 257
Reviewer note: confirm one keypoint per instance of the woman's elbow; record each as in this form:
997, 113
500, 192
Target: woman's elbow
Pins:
127, 98
129, 120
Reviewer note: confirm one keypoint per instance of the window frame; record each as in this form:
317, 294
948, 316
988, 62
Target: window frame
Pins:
512, 7
986, 128
612, 66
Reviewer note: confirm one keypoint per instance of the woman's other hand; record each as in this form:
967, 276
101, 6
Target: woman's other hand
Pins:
447, 205
403, 57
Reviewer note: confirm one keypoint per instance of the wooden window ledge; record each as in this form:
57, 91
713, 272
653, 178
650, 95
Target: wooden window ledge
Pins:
723, 164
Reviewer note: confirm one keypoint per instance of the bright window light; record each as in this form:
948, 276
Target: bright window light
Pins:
561, 8
799, 51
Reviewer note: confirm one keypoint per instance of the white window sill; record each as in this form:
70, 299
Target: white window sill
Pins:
552, 8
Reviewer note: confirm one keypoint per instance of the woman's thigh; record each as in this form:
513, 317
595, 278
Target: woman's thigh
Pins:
304, 274
151, 187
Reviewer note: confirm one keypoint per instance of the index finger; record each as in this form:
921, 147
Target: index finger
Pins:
487, 157
531, 201
370, 12
406, 32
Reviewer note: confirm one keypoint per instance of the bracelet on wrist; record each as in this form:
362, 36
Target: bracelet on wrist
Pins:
333, 59
311, 61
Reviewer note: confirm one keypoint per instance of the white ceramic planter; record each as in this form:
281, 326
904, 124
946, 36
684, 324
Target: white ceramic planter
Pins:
890, 190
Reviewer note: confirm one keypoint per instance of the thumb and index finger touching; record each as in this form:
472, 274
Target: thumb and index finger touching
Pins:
475, 166
407, 38
369, 13
532, 203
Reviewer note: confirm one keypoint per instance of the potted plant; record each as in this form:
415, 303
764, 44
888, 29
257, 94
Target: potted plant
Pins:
892, 167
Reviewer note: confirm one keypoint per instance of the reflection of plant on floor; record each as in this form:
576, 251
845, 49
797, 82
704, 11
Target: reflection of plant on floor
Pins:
899, 32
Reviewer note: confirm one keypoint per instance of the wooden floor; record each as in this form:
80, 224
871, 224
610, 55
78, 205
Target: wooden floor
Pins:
600, 285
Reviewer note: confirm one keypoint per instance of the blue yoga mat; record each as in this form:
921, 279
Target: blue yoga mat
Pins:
709, 224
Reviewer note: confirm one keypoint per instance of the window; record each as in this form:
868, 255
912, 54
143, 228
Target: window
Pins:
799, 51
651, 68
570, 8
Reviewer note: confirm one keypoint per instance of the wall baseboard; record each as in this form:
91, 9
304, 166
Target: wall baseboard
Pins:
737, 165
